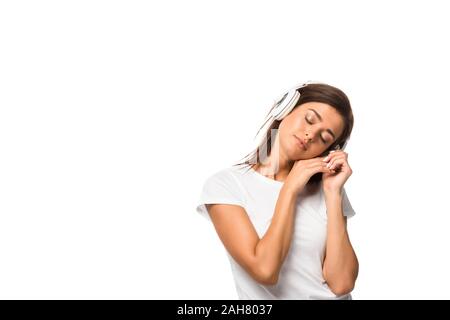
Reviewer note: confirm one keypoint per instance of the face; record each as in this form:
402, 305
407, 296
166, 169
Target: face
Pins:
317, 124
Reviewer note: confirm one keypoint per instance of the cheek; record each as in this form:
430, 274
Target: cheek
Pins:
296, 125
300, 122
286, 128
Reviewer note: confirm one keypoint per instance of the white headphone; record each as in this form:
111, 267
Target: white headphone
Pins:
286, 103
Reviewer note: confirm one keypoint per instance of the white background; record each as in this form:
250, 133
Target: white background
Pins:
113, 113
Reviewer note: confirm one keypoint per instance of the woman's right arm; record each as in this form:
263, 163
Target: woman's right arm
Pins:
263, 258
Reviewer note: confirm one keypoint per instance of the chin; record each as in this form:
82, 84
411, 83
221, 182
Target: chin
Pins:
305, 157
296, 155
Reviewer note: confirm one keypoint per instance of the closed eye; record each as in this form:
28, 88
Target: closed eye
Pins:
321, 137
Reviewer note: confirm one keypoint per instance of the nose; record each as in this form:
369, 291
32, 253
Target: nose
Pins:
307, 139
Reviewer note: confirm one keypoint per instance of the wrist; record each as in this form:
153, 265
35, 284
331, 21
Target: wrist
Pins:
289, 190
333, 192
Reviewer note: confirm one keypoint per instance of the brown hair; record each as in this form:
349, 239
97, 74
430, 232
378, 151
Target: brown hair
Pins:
314, 92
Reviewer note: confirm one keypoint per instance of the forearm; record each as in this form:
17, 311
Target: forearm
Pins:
273, 247
341, 264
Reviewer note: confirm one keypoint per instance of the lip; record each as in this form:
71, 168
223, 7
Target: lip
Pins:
300, 143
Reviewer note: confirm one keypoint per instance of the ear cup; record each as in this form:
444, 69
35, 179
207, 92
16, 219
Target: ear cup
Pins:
287, 102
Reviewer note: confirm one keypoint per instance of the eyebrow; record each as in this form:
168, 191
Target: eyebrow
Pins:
320, 118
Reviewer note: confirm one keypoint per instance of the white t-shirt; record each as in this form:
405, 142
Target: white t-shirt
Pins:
301, 273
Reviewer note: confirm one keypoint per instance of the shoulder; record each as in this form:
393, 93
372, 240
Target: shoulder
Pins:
224, 187
228, 176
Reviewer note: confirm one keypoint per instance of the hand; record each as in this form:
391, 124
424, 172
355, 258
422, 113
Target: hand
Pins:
334, 181
303, 170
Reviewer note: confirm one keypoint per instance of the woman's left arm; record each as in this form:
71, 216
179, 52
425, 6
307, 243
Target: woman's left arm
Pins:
340, 267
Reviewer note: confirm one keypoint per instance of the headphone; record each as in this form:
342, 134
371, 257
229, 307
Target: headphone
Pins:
284, 106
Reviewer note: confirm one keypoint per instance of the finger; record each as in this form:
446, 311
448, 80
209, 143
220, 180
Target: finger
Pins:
313, 161
321, 167
334, 154
338, 163
334, 160
326, 170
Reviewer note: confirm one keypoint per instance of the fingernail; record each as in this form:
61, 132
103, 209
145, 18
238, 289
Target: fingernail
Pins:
326, 158
332, 151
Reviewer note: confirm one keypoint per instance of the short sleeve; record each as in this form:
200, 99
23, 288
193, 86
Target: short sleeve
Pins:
346, 205
221, 187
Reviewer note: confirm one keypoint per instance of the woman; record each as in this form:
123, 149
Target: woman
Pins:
282, 215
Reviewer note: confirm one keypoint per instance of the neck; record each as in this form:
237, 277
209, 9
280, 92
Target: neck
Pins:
277, 165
